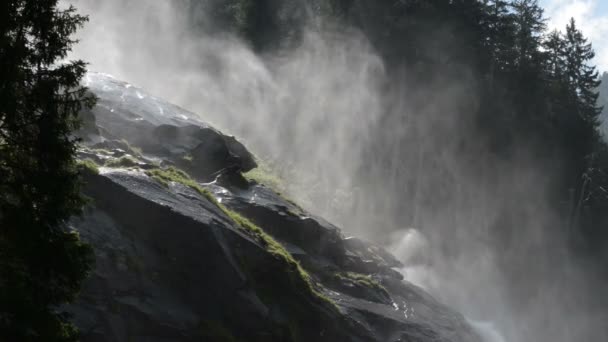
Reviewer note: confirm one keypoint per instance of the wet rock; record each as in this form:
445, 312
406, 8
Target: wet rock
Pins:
116, 157
285, 221
368, 251
358, 275
173, 265
125, 112
168, 260
356, 285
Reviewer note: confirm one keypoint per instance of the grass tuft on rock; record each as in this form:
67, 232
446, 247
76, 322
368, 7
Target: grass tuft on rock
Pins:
172, 174
124, 161
264, 175
362, 280
88, 166
298, 277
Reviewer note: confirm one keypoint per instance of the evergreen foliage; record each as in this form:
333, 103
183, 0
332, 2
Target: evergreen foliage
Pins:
603, 102
42, 262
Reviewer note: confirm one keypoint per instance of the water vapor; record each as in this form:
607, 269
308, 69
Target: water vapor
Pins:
398, 163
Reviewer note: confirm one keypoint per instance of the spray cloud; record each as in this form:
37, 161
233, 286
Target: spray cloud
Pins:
322, 113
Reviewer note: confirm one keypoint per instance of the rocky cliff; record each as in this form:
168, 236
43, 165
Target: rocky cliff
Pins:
189, 250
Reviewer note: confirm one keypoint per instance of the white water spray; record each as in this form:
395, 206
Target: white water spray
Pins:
316, 109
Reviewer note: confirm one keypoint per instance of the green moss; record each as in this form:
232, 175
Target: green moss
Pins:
124, 161
172, 174
88, 166
297, 213
94, 150
298, 277
264, 175
362, 280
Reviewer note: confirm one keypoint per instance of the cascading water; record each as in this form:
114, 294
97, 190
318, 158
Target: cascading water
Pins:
412, 248
323, 113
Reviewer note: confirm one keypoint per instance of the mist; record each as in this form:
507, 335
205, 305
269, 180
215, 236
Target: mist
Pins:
473, 229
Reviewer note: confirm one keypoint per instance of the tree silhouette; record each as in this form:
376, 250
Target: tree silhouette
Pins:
42, 263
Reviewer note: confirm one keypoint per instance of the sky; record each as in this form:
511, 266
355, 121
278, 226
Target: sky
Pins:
591, 17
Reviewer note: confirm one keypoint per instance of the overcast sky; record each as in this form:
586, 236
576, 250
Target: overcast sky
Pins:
590, 15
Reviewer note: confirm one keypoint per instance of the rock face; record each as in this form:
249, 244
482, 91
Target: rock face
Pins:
174, 262
159, 129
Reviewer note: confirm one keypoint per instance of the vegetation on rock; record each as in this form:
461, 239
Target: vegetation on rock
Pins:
364, 280
299, 279
124, 161
172, 174
88, 166
264, 175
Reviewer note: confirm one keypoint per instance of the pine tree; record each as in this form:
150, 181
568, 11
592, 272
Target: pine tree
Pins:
555, 71
554, 51
42, 263
581, 80
581, 123
582, 75
603, 102
528, 84
500, 23
530, 27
